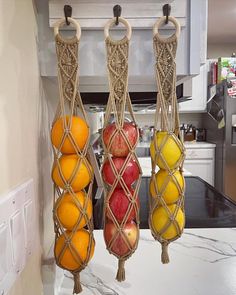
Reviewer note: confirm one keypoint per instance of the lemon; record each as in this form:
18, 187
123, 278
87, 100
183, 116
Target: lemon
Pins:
160, 219
170, 147
167, 185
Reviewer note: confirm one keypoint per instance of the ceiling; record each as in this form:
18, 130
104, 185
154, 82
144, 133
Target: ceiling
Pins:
222, 21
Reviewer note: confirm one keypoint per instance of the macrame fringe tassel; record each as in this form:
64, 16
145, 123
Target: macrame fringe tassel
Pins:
121, 271
164, 254
77, 285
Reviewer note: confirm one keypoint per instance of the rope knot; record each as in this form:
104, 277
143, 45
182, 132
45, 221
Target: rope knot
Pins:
67, 130
67, 186
133, 200
67, 241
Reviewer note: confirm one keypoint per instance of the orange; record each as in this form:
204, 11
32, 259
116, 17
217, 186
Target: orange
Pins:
69, 213
168, 185
78, 131
171, 149
68, 164
160, 219
74, 256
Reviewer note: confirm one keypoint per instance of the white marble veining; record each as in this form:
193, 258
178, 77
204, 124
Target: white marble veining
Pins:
202, 262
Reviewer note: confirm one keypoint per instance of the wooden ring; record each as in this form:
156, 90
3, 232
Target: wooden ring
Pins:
161, 21
62, 22
112, 21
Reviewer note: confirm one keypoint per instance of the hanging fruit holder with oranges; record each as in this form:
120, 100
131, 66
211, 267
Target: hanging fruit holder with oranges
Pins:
166, 218
121, 171
72, 173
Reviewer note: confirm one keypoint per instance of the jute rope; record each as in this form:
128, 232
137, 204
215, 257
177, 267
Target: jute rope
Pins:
70, 105
167, 121
118, 104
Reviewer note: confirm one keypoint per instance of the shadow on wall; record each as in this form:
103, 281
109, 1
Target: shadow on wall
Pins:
48, 104
46, 109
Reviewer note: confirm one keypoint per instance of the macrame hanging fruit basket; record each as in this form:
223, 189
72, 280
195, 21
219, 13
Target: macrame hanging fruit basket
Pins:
120, 170
72, 173
166, 218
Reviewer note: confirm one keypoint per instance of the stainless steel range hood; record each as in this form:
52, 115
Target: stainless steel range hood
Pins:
145, 100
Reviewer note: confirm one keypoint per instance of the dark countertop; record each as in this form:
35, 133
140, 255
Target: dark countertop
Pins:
205, 207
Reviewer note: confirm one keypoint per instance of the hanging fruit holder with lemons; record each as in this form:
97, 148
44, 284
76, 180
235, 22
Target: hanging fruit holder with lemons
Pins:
72, 173
166, 218
120, 170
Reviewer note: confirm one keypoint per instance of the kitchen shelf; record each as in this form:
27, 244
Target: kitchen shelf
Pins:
94, 14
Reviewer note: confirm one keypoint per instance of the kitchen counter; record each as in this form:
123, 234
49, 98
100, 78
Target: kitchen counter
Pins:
205, 207
146, 165
202, 261
199, 145
187, 144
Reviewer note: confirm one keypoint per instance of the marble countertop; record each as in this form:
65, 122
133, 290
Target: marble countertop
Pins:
202, 262
187, 144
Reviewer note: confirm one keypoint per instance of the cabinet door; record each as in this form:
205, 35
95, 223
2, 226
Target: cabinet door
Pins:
203, 30
201, 168
92, 16
199, 93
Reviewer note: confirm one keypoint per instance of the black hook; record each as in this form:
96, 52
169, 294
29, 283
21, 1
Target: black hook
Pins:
166, 11
67, 13
117, 13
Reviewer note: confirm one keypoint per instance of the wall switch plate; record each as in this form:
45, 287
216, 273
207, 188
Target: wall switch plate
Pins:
4, 258
29, 226
18, 241
17, 227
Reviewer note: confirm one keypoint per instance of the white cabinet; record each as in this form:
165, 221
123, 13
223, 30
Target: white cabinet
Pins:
203, 29
201, 162
92, 16
199, 93
202, 168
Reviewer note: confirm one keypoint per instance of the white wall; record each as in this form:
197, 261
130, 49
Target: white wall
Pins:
20, 108
215, 50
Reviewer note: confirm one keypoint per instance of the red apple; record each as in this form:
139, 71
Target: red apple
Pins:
130, 174
119, 204
119, 147
119, 245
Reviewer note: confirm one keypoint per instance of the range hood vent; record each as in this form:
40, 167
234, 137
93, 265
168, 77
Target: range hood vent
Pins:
143, 98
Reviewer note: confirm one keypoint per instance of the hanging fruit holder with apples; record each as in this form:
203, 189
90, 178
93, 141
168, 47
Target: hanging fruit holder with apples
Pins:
166, 218
121, 171
72, 173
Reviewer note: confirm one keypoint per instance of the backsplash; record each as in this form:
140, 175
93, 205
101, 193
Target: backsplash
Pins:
196, 119
187, 118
